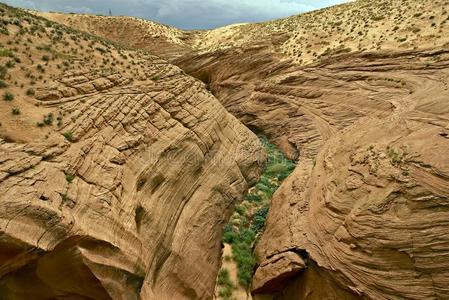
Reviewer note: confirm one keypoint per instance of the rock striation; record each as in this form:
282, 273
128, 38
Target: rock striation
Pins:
132, 199
125, 198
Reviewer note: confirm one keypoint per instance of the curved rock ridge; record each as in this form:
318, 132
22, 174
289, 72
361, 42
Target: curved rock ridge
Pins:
126, 196
371, 209
348, 100
165, 41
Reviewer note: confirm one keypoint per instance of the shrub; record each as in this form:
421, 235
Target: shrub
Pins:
225, 283
48, 119
253, 197
45, 58
30, 92
396, 157
3, 72
9, 64
229, 235
223, 277
241, 210
8, 96
3, 84
15, 111
6, 53
243, 255
68, 135
259, 218
69, 177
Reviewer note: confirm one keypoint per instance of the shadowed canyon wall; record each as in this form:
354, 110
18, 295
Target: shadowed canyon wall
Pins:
126, 197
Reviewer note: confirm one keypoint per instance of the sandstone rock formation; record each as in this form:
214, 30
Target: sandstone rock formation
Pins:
361, 124
357, 94
361, 224
126, 197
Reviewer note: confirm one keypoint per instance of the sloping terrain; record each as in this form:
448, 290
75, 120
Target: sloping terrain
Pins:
379, 116
117, 170
357, 26
357, 94
167, 42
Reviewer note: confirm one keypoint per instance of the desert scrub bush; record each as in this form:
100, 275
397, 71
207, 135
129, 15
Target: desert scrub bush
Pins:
253, 197
68, 136
3, 72
10, 64
6, 52
48, 119
69, 177
396, 156
242, 253
3, 84
15, 111
8, 96
30, 92
259, 218
225, 283
229, 234
40, 68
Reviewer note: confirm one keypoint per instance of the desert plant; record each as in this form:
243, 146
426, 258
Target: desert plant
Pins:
69, 177
225, 283
8, 96
30, 92
15, 111
68, 135
6, 52
48, 119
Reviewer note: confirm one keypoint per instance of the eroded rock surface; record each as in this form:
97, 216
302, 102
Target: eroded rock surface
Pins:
126, 197
349, 223
357, 94
153, 166
371, 209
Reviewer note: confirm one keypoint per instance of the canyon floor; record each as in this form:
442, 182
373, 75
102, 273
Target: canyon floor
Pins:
301, 158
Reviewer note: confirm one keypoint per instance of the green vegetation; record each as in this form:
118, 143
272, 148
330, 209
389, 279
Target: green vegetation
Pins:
69, 136
396, 156
249, 217
15, 111
48, 119
6, 53
69, 177
225, 284
8, 96
30, 92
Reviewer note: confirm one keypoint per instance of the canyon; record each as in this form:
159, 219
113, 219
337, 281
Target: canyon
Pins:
128, 146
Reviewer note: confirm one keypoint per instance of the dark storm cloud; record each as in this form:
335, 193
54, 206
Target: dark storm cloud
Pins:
186, 14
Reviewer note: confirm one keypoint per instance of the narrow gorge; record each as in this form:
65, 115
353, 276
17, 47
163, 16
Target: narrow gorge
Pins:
246, 225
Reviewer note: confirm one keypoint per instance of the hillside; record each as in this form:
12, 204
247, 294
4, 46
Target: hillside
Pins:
131, 32
345, 197
357, 26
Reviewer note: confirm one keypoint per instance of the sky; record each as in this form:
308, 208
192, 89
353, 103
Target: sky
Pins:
185, 14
